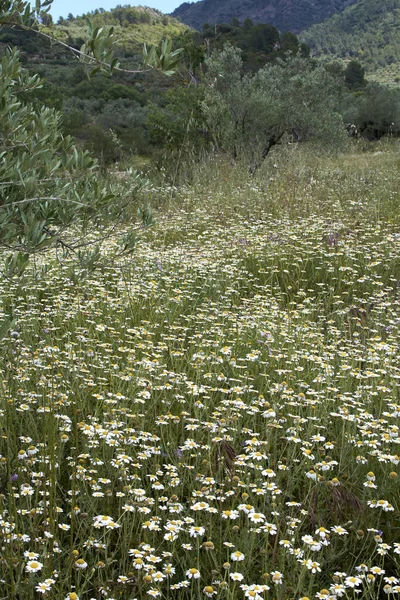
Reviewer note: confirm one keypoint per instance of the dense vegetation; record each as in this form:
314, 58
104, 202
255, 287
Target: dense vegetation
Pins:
218, 416
248, 115
105, 113
286, 15
215, 415
148, 115
47, 183
260, 43
145, 114
368, 31
118, 116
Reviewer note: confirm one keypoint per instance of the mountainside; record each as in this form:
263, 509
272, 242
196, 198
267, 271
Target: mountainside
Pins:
368, 31
133, 26
286, 15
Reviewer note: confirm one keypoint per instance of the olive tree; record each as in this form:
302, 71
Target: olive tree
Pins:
374, 112
249, 114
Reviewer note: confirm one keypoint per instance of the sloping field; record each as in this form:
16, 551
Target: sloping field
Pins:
218, 416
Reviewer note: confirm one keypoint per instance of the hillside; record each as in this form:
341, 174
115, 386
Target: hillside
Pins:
286, 15
133, 25
104, 113
368, 31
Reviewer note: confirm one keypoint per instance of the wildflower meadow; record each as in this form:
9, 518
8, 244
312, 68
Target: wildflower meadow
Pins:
216, 415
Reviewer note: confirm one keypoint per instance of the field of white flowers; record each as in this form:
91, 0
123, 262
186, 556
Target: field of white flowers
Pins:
218, 415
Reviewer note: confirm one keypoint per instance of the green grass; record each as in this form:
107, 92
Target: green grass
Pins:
231, 388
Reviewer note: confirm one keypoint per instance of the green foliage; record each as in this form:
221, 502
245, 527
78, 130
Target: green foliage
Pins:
260, 44
163, 57
66, 85
169, 125
126, 119
42, 174
133, 26
103, 144
264, 36
367, 32
194, 51
354, 76
47, 185
98, 51
375, 112
65, 82
179, 131
249, 114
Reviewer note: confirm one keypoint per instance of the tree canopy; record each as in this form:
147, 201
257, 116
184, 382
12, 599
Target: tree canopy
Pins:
249, 114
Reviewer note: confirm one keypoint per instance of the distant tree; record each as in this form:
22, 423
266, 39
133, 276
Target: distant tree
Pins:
335, 68
181, 124
289, 42
375, 112
78, 75
260, 43
305, 50
247, 24
193, 51
249, 114
354, 75
103, 144
264, 37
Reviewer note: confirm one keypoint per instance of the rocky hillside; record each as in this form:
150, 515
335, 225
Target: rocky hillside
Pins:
286, 15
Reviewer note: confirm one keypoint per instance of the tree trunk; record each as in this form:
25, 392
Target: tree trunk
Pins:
272, 141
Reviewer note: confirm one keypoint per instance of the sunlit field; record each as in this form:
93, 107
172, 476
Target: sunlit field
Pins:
217, 415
